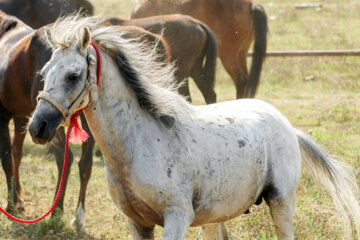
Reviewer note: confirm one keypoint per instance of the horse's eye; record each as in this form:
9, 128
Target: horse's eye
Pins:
73, 77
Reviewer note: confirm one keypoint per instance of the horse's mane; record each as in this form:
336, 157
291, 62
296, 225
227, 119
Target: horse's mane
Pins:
152, 82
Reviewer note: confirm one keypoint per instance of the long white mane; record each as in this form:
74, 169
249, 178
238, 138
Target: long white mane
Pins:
156, 82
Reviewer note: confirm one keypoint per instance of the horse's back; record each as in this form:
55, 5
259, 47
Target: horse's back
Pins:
178, 31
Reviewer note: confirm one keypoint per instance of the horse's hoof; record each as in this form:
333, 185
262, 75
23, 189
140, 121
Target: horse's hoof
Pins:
78, 224
80, 218
20, 206
11, 208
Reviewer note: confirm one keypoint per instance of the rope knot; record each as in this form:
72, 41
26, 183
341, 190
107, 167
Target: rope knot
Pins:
77, 134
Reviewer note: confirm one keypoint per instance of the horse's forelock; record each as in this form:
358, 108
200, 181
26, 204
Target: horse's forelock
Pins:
70, 30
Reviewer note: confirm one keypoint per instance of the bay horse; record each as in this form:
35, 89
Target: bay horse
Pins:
24, 52
168, 162
235, 23
152, 40
192, 48
37, 13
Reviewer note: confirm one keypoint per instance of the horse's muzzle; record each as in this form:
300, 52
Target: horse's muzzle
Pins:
44, 123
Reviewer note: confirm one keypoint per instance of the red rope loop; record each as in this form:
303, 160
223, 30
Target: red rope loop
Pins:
58, 193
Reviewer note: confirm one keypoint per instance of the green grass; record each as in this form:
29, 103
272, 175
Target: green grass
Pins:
328, 108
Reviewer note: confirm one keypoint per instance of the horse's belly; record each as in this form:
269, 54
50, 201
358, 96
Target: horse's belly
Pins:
229, 188
224, 205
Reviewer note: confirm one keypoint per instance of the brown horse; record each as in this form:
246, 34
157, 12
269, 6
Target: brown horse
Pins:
154, 41
37, 13
24, 52
190, 43
235, 23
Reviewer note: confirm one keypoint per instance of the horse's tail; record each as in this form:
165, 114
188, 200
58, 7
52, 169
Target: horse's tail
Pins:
336, 176
259, 19
85, 6
210, 54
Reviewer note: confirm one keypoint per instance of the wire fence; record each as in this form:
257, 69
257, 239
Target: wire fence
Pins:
311, 53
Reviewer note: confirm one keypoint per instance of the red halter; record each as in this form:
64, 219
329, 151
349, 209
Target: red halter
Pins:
77, 133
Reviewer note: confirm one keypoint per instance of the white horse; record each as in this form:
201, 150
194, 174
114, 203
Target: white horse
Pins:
171, 163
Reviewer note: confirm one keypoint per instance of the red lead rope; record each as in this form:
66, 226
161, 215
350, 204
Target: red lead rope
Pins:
58, 193
73, 124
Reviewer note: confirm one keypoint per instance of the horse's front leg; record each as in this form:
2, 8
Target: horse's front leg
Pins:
215, 232
85, 167
177, 221
140, 232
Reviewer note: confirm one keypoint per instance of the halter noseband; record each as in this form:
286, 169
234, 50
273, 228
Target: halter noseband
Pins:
90, 88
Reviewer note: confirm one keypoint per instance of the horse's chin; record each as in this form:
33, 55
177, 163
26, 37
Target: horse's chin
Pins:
43, 138
40, 141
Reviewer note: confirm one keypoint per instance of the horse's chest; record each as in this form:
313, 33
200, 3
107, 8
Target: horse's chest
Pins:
132, 206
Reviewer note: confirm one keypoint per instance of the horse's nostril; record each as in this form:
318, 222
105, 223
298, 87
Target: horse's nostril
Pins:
42, 129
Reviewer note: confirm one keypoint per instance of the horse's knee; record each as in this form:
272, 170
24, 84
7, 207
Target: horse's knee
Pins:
85, 167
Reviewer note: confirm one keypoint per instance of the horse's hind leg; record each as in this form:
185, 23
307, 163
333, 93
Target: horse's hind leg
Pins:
215, 232
238, 75
185, 90
19, 136
139, 232
6, 158
206, 86
85, 166
59, 151
282, 212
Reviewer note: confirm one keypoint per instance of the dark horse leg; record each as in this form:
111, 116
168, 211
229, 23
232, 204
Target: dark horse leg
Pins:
205, 86
185, 90
6, 158
234, 62
85, 166
19, 136
181, 77
238, 75
58, 148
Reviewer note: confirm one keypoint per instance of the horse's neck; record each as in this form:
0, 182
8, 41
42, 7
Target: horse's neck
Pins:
115, 117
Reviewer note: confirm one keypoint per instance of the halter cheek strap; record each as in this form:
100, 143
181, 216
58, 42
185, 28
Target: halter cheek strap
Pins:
90, 88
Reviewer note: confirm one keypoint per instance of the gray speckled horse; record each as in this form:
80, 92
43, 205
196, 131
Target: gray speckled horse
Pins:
171, 163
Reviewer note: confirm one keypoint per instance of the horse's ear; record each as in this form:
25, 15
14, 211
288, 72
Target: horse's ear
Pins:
86, 38
45, 33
